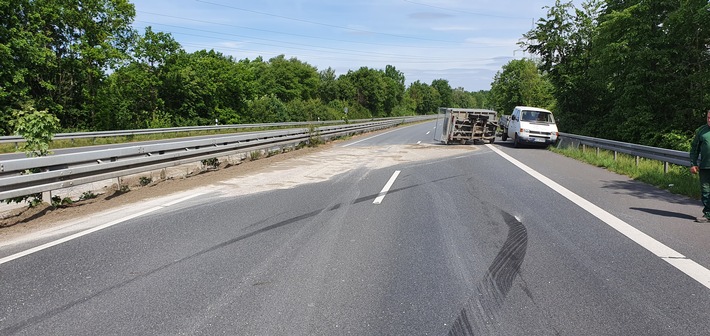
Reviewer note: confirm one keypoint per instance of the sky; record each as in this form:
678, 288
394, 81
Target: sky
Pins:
462, 41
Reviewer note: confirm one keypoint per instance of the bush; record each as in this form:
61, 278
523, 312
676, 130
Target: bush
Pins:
211, 162
87, 195
145, 180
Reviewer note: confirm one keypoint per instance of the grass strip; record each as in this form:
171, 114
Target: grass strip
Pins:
677, 180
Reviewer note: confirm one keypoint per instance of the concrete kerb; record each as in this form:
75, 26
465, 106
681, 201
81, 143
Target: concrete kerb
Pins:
132, 181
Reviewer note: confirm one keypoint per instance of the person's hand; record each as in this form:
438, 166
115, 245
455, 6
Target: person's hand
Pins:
694, 169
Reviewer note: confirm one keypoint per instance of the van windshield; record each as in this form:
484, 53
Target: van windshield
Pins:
537, 116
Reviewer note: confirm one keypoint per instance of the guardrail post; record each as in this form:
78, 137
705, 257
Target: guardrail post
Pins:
615, 155
665, 167
638, 159
597, 151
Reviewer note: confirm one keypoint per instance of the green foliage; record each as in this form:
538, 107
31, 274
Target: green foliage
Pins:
634, 71
314, 138
94, 72
58, 201
33, 200
677, 180
675, 140
37, 128
461, 98
288, 79
145, 180
123, 188
268, 109
425, 98
445, 92
378, 91
520, 83
255, 155
87, 195
211, 162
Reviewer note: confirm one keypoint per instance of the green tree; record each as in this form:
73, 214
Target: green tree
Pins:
131, 96
37, 128
327, 86
394, 90
368, 89
483, 99
563, 42
56, 53
23, 57
204, 86
649, 55
445, 92
85, 41
424, 98
268, 109
288, 79
462, 98
520, 83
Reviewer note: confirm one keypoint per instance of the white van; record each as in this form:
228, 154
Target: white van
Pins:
531, 125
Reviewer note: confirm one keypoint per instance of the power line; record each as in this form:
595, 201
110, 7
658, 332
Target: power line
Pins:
467, 12
283, 33
323, 24
400, 57
297, 45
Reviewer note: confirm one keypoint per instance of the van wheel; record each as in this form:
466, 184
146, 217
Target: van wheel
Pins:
504, 137
516, 142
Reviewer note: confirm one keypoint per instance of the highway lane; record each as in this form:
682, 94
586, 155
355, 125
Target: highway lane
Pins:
466, 242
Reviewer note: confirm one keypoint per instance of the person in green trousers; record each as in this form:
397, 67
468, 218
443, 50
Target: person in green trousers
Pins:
701, 147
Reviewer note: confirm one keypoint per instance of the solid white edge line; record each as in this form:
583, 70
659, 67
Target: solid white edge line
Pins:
692, 269
387, 187
687, 266
92, 230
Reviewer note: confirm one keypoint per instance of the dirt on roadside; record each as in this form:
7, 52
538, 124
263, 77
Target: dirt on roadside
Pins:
24, 220
285, 170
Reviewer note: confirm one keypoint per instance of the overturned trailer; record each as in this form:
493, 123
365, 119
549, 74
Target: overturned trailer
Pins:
463, 125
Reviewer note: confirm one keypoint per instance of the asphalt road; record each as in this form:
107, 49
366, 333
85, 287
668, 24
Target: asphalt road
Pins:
468, 244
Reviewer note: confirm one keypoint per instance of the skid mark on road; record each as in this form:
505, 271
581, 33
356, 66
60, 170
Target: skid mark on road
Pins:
669, 255
482, 310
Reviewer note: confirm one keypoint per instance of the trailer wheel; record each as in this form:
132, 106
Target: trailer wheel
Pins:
504, 136
493, 139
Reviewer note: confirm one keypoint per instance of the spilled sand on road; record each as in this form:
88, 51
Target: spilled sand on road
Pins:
286, 170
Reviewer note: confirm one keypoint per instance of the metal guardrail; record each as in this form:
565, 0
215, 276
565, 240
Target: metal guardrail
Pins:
122, 133
69, 170
664, 155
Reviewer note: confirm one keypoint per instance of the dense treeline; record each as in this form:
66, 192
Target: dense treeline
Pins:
635, 71
86, 65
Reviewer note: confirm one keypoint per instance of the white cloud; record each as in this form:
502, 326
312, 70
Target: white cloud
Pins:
463, 41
